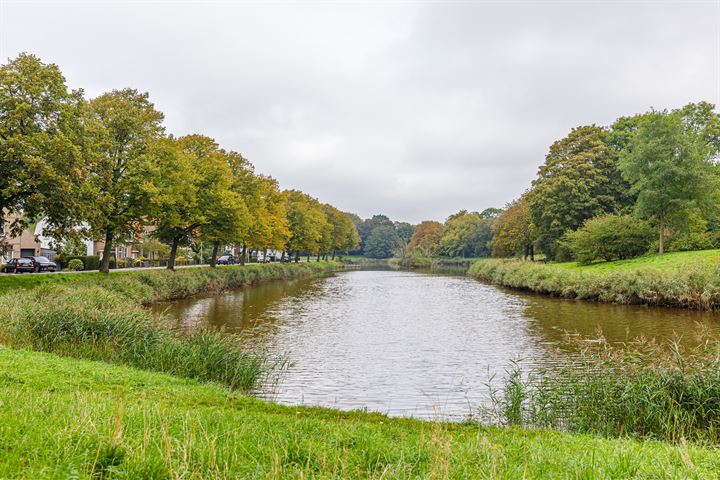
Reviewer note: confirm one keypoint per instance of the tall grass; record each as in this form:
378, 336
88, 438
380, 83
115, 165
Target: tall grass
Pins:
641, 390
103, 319
696, 287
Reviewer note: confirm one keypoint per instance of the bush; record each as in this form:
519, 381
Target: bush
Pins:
90, 262
75, 265
610, 237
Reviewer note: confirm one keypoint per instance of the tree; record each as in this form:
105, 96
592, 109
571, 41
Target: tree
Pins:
344, 233
426, 237
514, 232
579, 180
382, 242
276, 215
306, 221
467, 235
609, 237
192, 194
366, 227
491, 212
121, 126
41, 138
404, 231
669, 164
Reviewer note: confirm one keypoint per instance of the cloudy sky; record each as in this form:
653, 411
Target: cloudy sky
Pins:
415, 110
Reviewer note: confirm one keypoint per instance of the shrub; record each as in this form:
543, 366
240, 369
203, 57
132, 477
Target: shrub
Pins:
75, 265
90, 262
610, 237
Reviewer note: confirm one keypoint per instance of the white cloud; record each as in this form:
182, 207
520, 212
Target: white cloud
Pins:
412, 110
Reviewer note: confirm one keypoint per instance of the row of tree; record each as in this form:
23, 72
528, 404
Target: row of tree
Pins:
606, 184
464, 234
105, 168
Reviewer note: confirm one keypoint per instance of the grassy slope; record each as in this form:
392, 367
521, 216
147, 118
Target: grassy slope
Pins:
676, 261
65, 418
682, 279
10, 282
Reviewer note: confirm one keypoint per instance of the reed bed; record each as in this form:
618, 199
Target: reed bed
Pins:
101, 318
641, 390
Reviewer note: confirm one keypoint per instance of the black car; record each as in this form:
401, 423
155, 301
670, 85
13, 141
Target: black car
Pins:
19, 265
42, 264
226, 260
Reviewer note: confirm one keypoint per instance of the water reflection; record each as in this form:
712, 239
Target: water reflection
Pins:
410, 343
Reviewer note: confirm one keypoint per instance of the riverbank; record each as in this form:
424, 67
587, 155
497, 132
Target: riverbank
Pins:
101, 317
80, 419
682, 279
151, 285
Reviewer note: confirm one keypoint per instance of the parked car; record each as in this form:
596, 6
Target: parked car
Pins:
226, 260
42, 264
19, 265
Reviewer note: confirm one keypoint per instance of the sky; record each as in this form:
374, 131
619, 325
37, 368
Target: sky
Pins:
411, 109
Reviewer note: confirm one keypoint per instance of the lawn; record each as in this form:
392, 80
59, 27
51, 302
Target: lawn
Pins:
67, 418
675, 261
682, 279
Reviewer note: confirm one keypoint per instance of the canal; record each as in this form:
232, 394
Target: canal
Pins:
415, 344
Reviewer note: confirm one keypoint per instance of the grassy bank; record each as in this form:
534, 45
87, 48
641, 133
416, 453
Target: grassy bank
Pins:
100, 317
683, 279
147, 286
67, 418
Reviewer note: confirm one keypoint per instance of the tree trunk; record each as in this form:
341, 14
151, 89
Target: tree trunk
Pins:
297, 256
308, 257
318, 257
532, 253
173, 253
242, 255
213, 257
105, 265
265, 256
661, 248
333, 255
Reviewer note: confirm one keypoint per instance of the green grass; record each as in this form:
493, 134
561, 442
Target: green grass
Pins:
153, 285
100, 317
674, 261
66, 418
684, 279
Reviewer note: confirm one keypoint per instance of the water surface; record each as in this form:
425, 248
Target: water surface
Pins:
414, 344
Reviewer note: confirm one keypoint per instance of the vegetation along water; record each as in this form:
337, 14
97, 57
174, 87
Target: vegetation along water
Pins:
151, 374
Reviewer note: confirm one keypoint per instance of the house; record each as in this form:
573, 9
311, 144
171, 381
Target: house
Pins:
30, 242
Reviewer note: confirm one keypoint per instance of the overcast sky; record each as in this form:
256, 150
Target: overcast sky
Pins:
414, 110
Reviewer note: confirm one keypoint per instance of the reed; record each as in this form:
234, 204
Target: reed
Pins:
641, 390
101, 318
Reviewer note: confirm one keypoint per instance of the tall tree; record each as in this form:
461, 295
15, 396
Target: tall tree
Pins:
121, 126
307, 222
41, 138
579, 180
426, 237
514, 232
228, 218
467, 235
669, 164
404, 231
382, 242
